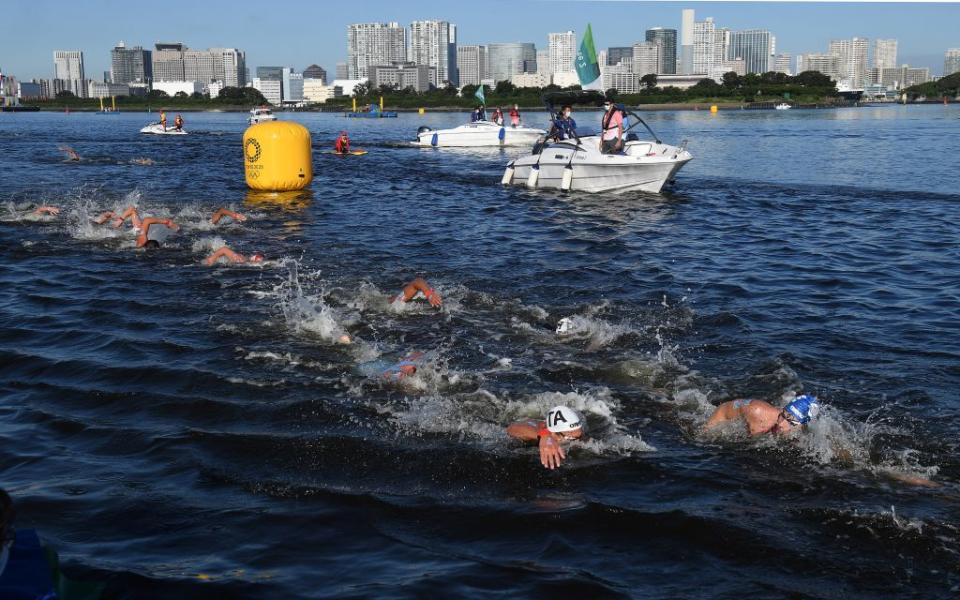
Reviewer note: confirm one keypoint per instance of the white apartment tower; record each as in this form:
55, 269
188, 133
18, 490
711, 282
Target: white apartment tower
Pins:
704, 46
561, 51
852, 55
434, 44
951, 61
370, 44
68, 66
884, 54
646, 58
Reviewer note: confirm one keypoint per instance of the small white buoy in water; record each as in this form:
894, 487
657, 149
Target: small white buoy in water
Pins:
534, 175
507, 175
567, 180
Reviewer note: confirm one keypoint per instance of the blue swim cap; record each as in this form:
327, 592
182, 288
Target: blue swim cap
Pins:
803, 408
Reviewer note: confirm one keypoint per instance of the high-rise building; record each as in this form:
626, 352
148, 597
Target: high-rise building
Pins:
292, 88
199, 65
561, 52
646, 58
666, 39
754, 46
686, 42
884, 54
403, 75
229, 66
272, 89
472, 64
621, 77
128, 65
616, 54
543, 63
68, 67
828, 64
271, 73
508, 59
782, 64
341, 71
315, 72
374, 44
167, 61
434, 43
704, 46
852, 56
951, 61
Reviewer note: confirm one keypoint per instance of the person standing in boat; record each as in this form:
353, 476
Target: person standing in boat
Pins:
178, 122
163, 119
515, 116
612, 125
498, 116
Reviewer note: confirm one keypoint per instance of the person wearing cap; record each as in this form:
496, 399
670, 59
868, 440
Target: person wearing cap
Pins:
762, 417
343, 143
612, 125
562, 424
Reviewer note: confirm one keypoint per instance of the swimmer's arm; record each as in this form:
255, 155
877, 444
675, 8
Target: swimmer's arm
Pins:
47, 210
130, 213
223, 252
224, 212
723, 414
910, 479
525, 431
145, 228
420, 285
103, 218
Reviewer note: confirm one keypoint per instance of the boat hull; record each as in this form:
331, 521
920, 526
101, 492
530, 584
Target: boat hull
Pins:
479, 136
157, 129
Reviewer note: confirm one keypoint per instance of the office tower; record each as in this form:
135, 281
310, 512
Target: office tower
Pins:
374, 44
616, 54
129, 65
686, 42
271, 73
781, 63
167, 61
471, 64
292, 88
828, 64
509, 59
666, 39
852, 56
754, 46
434, 43
646, 58
229, 66
315, 72
561, 52
884, 54
543, 63
68, 67
272, 89
341, 71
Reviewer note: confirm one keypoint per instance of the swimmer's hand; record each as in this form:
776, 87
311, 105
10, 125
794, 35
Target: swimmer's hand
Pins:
47, 210
171, 225
434, 298
551, 452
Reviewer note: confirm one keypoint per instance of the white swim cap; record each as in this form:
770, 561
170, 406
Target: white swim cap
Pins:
565, 326
561, 419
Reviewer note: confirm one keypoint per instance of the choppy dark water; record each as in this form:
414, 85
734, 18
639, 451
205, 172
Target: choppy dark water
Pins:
189, 432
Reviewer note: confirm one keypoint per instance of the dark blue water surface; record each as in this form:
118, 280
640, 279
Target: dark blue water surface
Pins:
182, 431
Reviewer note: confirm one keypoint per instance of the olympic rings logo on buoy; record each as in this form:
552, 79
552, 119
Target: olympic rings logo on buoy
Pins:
255, 156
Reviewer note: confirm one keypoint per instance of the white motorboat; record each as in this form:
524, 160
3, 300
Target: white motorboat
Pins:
158, 129
579, 165
478, 134
261, 114
783, 106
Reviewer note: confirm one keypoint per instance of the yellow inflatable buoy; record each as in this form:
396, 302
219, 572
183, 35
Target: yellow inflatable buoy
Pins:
713, 109
277, 156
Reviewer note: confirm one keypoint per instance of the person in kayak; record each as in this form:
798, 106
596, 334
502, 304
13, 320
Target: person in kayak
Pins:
761, 417
177, 123
419, 286
515, 116
232, 257
225, 213
563, 424
342, 146
612, 128
163, 119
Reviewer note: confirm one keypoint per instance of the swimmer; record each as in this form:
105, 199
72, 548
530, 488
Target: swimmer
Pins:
563, 424
72, 155
762, 417
223, 212
143, 240
231, 256
29, 211
419, 286
119, 219
51, 211
397, 371
143, 161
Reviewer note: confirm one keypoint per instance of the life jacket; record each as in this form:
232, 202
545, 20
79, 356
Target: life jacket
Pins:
27, 575
607, 117
342, 145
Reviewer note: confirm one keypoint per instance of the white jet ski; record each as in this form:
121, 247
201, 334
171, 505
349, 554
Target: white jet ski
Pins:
158, 129
478, 134
578, 165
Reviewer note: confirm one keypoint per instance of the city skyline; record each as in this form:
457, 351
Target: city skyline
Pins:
799, 28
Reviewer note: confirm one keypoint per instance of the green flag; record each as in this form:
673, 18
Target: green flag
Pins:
588, 70
479, 95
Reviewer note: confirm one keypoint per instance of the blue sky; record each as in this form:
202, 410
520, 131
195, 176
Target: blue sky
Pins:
298, 32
